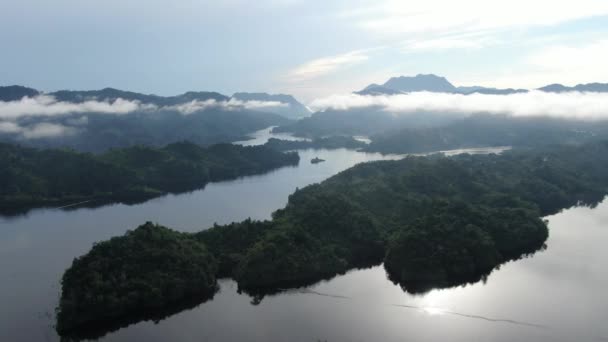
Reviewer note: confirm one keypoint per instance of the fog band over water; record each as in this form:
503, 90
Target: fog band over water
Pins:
570, 105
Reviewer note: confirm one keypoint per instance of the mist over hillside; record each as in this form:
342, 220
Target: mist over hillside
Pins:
291, 109
97, 120
427, 101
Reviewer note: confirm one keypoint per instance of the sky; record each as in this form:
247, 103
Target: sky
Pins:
309, 48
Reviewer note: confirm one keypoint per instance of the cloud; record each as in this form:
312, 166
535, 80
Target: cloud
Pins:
575, 105
12, 113
9, 127
326, 65
232, 104
46, 130
36, 131
440, 16
48, 106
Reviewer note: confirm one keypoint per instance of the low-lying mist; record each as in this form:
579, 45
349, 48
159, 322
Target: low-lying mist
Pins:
45, 105
570, 105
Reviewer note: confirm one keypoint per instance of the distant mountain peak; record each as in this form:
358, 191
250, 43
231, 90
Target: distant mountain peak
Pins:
439, 84
407, 84
420, 82
585, 87
16, 93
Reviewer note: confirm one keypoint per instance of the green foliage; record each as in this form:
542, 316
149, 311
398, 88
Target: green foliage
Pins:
332, 142
488, 130
457, 241
30, 177
482, 209
229, 242
435, 221
146, 269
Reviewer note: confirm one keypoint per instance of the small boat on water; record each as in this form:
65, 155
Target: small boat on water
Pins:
316, 160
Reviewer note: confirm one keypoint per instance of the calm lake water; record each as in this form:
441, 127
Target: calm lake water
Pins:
556, 295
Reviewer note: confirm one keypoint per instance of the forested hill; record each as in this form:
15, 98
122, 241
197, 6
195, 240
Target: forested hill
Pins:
31, 177
98, 132
97, 120
374, 212
427, 132
490, 130
434, 221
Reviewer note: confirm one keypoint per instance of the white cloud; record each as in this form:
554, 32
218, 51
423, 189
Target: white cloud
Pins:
262, 104
36, 131
9, 127
536, 103
48, 106
232, 104
441, 16
46, 130
326, 65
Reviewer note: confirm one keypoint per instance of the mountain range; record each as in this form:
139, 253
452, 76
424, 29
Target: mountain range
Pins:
289, 107
70, 121
438, 84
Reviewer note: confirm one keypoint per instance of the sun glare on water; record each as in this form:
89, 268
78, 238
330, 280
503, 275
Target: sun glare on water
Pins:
434, 311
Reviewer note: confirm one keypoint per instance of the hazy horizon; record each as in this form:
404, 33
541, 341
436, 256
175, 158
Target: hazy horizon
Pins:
308, 49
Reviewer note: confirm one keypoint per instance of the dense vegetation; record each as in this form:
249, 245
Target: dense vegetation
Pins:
198, 117
457, 242
426, 132
30, 177
332, 142
111, 95
435, 221
147, 269
16, 93
489, 130
97, 132
361, 121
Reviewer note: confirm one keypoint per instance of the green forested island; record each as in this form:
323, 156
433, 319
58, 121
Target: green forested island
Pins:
170, 266
31, 177
434, 221
333, 142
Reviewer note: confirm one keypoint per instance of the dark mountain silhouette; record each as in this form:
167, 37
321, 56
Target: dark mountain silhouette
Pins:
293, 110
16, 93
589, 87
420, 82
111, 94
375, 89
438, 84
490, 91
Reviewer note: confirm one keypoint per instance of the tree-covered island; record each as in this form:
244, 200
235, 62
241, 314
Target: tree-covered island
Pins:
434, 221
33, 178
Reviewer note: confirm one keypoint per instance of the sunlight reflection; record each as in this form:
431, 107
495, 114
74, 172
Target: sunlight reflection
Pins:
434, 311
